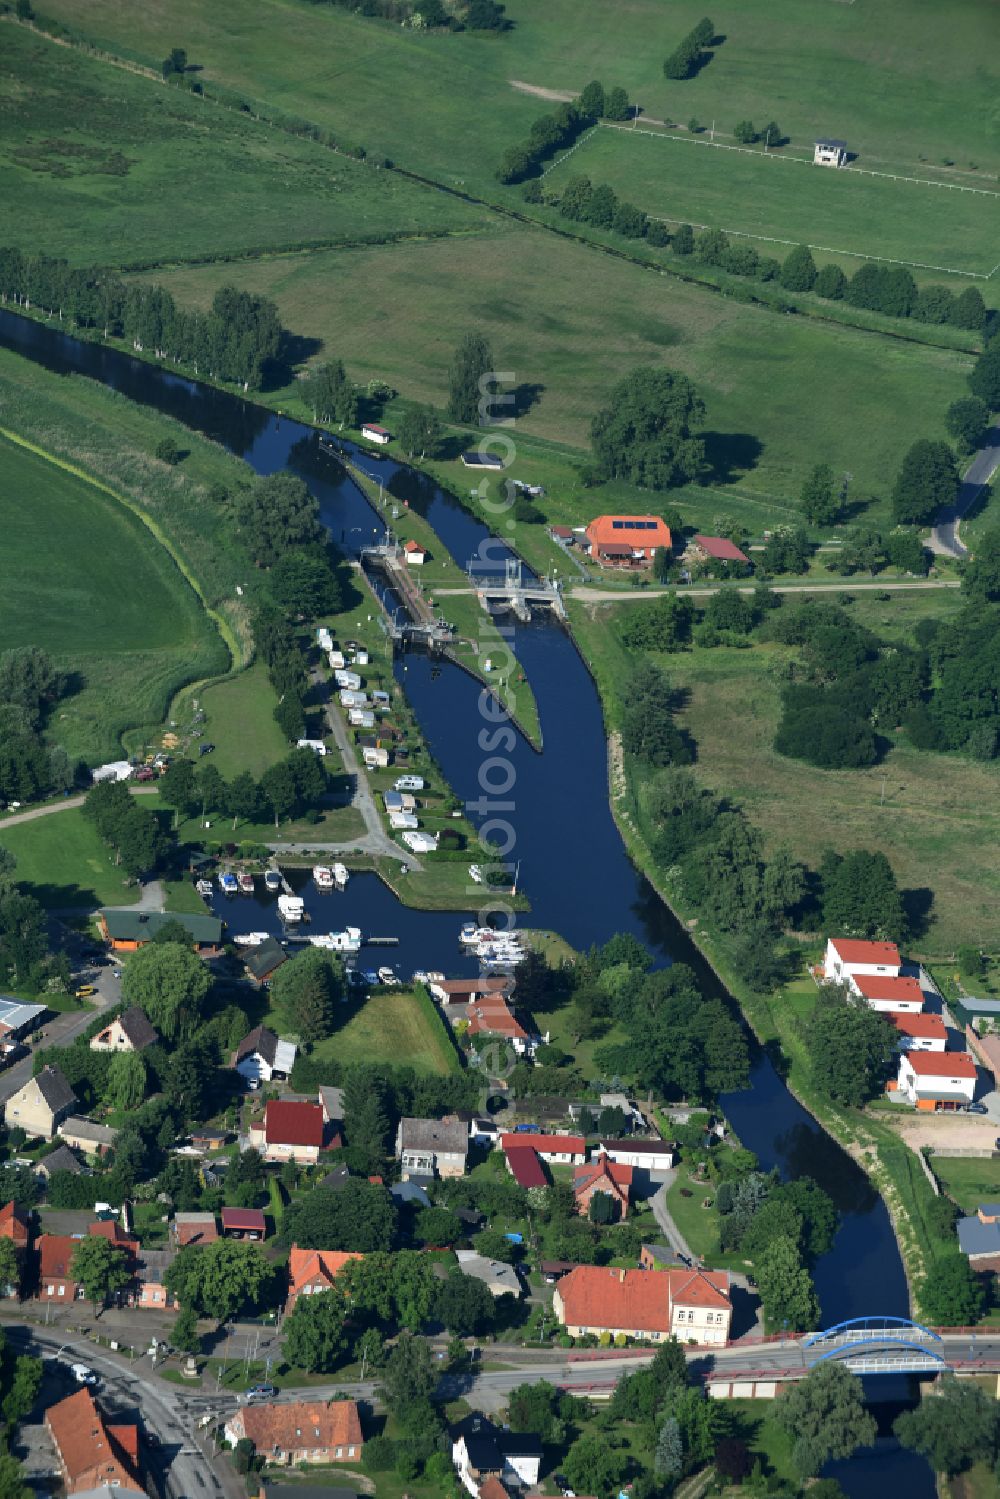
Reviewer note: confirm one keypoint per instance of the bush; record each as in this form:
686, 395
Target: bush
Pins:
830, 283
167, 451
379, 1455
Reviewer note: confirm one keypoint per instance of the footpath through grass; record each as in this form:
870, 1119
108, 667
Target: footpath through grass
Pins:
89, 583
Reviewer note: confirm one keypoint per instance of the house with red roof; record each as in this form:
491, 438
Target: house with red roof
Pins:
602, 1175
289, 1132
414, 553
55, 1282
847, 958
312, 1271
937, 1081
14, 1225
525, 1167
689, 1304
882, 992
704, 549
627, 540
92, 1453
563, 1150
918, 1032
301, 1431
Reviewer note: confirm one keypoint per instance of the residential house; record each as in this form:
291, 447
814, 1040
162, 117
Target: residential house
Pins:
500, 1279
602, 1175
885, 993
845, 957
979, 1237
693, 1305
150, 1293
481, 1451
493, 1016
420, 842
432, 1147
705, 549
60, 1159
312, 1271
289, 1132
91, 1452
193, 1228
658, 1257
260, 964
129, 1031
414, 553
918, 1032
651, 1155
55, 1282
261, 1057
83, 1134
627, 540
17, 1019
562, 534
243, 1223
301, 1431
117, 1236
15, 1226
525, 1167
125, 930
461, 992
41, 1105
565, 1150
830, 153
937, 1081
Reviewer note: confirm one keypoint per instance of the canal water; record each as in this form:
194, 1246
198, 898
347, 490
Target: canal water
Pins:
573, 865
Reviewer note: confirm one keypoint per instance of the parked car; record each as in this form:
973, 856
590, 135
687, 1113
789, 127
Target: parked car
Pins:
261, 1392
206, 749
82, 1374
978, 1108
85, 991
145, 774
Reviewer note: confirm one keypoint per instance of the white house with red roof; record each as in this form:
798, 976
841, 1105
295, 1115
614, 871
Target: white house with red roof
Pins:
847, 957
289, 1132
414, 553
563, 1150
887, 994
937, 1081
691, 1305
919, 1032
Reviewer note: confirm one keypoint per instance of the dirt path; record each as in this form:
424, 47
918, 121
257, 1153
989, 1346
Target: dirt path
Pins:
63, 806
591, 595
557, 95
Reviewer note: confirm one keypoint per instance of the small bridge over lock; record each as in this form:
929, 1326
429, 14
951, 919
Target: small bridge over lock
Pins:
510, 591
422, 626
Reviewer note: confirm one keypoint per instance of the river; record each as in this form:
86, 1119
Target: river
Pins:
573, 864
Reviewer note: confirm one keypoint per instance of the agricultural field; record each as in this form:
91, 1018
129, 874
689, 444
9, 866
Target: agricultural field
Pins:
89, 583
780, 199
445, 105
782, 393
103, 166
932, 815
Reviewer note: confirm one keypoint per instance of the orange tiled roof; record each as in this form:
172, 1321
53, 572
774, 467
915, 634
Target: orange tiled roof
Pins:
302, 1424
931, 1027
116, 1235
699, 1288
585, 1176
595, 1296
546, 1144
634, 531
851, 951
941, 1063
13, 1223
55, 1252
91, 1452
884, 986
304, 1265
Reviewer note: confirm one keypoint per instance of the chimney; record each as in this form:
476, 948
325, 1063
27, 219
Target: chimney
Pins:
621, 1277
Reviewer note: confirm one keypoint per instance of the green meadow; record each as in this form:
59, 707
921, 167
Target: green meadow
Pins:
89, 583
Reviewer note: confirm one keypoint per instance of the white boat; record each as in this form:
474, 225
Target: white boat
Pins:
419, 976
272, 879
246, 882
341, 875
204, 888
434, 977
471, 935
476, 873
348, 940
323, 877
250, 939
228, 883
387, 976
291, 907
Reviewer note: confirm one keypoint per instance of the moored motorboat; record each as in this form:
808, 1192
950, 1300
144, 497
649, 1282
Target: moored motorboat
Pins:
250, 939
323, 877
204, 889
272, 879
291, 907
228, 882
341, 875
245, 879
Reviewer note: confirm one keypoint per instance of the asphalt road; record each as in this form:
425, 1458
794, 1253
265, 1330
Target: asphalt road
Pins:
944, 537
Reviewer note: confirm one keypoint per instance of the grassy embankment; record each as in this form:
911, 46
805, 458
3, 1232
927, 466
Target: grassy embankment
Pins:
89, 583
827, 809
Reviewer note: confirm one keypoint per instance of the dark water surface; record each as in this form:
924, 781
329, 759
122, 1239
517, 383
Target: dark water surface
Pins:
573, 865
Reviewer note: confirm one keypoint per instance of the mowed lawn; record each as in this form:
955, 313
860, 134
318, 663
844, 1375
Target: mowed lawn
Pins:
968, 1182
89, 583
781, 200
396, 1027
63, 863
100, 165
569, 323
239, 721
914, 79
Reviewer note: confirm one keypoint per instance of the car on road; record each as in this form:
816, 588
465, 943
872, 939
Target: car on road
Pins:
82, 1374
85, 991
261, 1392
978, 1108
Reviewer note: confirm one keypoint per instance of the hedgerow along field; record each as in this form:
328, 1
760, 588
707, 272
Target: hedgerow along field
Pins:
778, 201
903, 82
103, 166
782, 393
86, 581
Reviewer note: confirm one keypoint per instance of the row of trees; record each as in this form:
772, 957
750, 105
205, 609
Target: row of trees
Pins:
292, 787
558, 130
133, 834
474, 15
30, 686
235, 341
690, 55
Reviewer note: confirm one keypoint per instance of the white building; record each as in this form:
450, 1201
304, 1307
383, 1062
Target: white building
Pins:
937, 1080
830, 153
374, 433
919, 1032
886, 993
114, 770
480, 1452
432, 1147
324, 639
846, 958
650, 1155
421, 843
316, 745
261, 1056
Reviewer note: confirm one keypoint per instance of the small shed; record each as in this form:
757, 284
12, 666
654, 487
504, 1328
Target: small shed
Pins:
830, 153
243, 1223
374, 433
414, 553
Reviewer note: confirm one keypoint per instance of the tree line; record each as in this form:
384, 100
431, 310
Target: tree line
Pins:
555, 131
235, 341
470, 15
691, 54
30, 687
